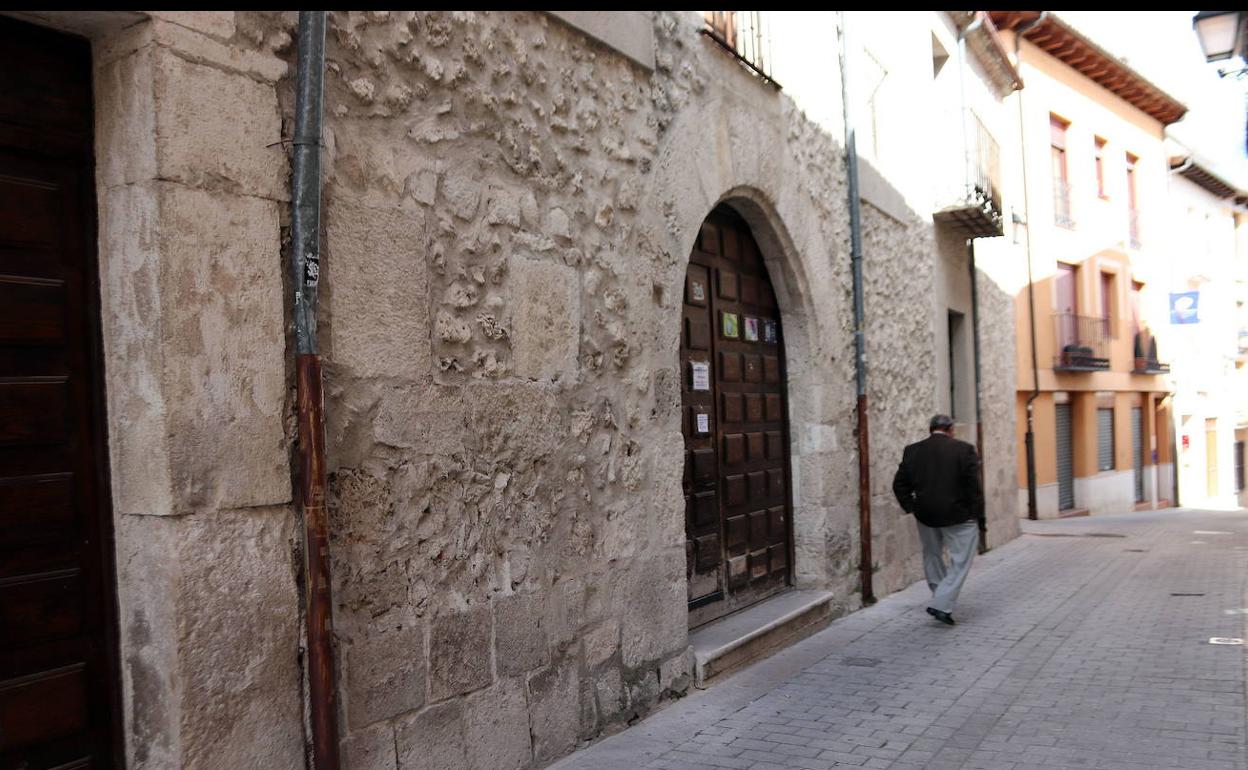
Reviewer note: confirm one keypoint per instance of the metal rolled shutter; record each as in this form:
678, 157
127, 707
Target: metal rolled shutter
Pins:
1104, 439
1137, 451
1065, 459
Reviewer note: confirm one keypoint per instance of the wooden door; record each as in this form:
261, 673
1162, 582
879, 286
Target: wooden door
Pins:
1067, 307
57, 646
738, 520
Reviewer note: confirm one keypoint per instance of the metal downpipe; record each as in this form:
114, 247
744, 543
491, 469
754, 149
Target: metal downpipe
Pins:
309, 395
860, 355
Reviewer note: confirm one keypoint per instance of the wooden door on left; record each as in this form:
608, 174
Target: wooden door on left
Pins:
58, 673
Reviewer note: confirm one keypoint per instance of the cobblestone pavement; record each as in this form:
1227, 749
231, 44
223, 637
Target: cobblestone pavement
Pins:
1082, 644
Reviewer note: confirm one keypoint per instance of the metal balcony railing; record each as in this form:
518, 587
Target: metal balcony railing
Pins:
744, 35
1146, 360
973, 204
1082, 343
1061, 204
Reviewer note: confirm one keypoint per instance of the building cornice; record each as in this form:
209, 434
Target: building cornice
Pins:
1064, 43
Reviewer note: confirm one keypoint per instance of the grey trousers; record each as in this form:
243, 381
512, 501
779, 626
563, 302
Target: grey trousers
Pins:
961, 541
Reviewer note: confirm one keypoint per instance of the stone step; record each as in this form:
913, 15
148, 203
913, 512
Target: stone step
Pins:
727, 644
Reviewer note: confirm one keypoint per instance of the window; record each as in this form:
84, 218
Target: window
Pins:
1133, 213
1107, 304
957, 345
1239, 466
1061, 174
1100, 168
1104, 439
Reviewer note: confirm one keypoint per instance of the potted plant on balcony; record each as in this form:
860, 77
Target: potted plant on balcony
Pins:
1141, 363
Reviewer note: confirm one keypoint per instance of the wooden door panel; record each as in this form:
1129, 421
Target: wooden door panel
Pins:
750, 446
58, 671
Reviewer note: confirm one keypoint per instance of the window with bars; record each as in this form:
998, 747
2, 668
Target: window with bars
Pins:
1104, 439
744, 34
1061, 173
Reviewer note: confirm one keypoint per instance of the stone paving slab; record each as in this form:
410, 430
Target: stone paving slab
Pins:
1082, 644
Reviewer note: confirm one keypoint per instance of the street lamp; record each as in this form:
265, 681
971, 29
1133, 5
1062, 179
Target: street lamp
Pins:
1222, 34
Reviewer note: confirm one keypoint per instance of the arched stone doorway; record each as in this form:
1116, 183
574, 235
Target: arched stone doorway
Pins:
737, 482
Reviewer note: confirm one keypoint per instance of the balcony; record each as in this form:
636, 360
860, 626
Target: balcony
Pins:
972, 205
1146, 361
1082, 343
1061, 205
744, 35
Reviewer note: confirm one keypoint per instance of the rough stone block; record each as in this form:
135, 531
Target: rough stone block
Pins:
430, 420
223, 349
385, 673
433, 739
545, 306
125, 119
215, 23
134, 366
609, 689
370, 749
675, 672
643, 692
237, 629
554, 710
216, 129
459, 653
520, 633
566, 611
496, 726
195, 46
601, 643
656, 623
379, 312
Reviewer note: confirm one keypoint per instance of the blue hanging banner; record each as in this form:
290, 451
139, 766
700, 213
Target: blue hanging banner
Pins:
1184, 307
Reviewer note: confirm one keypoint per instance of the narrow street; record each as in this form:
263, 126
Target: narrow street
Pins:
1085, 643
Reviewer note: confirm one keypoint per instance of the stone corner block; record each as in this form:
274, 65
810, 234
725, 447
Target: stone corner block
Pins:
379, 310
370, 748
546, 310
496, 727
460, 653
555, 709
433, 739
385, 673
520, 634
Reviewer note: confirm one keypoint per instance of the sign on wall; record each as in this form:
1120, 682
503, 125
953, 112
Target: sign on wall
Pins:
1184, 307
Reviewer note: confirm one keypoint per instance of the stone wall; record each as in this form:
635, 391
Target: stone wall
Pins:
508, 209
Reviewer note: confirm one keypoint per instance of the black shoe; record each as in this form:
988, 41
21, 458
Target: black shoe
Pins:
943, 617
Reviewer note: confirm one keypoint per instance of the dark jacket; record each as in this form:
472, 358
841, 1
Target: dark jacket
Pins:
938, 481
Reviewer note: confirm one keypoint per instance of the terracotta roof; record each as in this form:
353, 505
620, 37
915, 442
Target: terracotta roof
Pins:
1061, 41
985, 43
1193, 170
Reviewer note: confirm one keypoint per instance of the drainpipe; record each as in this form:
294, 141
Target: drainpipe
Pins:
1029, 440
309, 395
860, 353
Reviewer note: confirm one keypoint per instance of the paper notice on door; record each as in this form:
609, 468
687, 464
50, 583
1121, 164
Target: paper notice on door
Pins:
701, 375
704, 423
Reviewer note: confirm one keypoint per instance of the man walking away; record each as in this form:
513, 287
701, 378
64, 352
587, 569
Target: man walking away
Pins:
938, 482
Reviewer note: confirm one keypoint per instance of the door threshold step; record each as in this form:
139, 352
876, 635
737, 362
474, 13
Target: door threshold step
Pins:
728, 644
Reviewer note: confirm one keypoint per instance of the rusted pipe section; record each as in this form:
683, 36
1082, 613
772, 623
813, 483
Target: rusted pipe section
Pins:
309, 395
860, 340
322, 691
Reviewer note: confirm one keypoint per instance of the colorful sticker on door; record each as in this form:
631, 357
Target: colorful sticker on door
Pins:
751, 329
701, 375
697, 291
731, 326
